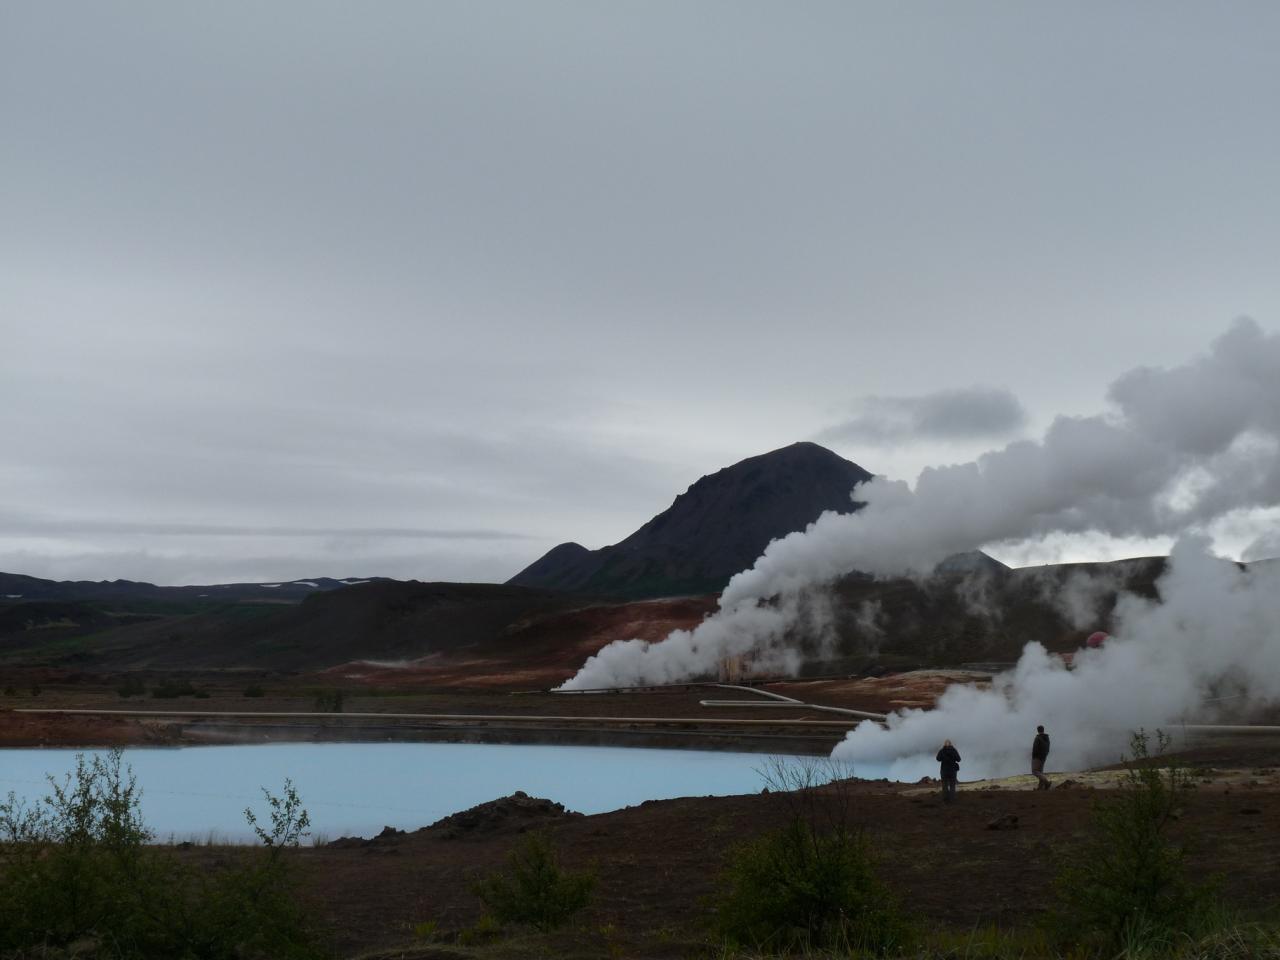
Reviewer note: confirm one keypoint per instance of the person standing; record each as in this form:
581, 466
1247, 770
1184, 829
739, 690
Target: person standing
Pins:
1039, 754
949, 757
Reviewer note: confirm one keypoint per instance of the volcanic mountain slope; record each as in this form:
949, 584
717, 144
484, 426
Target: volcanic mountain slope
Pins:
716, 528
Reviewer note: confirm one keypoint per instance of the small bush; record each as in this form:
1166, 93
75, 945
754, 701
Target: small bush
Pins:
329, 701
797, 889
427, 930
812, 884
1126, 885
254, 691
10, 692
172, 689
536, 892
132, 687
79, 868
485, 930
35, 690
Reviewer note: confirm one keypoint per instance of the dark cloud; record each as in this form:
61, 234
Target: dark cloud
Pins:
975, 413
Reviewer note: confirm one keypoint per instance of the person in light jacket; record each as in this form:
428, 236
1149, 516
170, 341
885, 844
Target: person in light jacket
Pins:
949, 757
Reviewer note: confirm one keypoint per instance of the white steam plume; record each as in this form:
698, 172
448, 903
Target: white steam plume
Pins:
1211, 637
1181, 448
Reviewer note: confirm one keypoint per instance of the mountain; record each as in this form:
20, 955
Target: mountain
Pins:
716, 528
18, 587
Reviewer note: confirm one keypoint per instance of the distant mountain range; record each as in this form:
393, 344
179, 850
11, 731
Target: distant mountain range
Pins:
716, 528
17, 587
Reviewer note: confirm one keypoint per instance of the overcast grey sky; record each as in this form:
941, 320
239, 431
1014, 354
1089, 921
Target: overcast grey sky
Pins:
423, 288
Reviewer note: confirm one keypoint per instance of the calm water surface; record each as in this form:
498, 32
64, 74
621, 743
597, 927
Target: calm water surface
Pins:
355, 789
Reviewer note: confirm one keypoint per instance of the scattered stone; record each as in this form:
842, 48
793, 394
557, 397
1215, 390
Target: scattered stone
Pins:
1066, 784
1006, 821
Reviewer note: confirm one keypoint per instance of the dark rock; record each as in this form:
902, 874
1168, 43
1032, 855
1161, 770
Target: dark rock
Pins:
1250, 811
1006, 821
514, 814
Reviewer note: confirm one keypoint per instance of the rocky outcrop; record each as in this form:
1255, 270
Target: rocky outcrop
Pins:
514, 814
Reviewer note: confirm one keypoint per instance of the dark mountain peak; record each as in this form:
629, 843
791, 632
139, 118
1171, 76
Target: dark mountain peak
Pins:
716, 528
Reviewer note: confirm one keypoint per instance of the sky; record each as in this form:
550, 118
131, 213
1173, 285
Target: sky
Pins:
420, 290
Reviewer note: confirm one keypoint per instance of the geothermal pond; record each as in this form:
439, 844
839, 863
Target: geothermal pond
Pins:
355, 789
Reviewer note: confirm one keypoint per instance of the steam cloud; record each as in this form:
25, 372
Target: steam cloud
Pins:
1209, 644
1180, 449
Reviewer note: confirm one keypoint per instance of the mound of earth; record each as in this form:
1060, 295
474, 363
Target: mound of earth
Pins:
514, 814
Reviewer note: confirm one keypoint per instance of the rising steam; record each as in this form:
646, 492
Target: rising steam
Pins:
1179, 449
1208, 645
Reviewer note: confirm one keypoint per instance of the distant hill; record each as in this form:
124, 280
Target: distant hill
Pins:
16, 587
716, 528
389, 620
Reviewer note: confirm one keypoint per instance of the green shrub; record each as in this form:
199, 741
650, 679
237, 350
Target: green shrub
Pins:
329, 701
254, 691
132, 687
811, 884
485, 930
536, 892
794, 889
1126, 884
79, 868
173, 688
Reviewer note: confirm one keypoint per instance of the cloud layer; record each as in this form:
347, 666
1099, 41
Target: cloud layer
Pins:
973, 413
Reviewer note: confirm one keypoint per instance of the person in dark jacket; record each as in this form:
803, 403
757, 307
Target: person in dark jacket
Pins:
949, 757
1039, 754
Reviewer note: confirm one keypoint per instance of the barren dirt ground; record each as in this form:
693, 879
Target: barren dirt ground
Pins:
810, 731
658, 863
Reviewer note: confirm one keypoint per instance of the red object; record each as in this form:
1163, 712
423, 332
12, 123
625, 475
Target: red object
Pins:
1097, 639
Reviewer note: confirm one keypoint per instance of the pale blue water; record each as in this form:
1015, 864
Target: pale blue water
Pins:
355, 789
